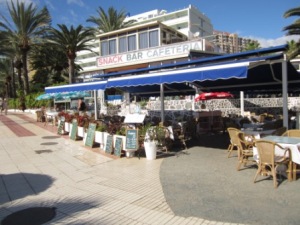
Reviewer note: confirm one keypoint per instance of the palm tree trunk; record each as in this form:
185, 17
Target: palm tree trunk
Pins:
25, 72
18, 65
13, 81
71, 70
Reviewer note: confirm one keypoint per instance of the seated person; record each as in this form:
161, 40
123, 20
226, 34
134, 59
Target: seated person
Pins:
43, 114
81, 106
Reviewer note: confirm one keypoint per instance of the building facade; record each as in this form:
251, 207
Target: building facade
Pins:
157, 37
153, 29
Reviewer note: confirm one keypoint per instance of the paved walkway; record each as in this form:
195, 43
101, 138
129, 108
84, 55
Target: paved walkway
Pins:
39, 168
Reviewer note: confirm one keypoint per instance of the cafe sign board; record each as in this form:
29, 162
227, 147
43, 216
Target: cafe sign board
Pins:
151, 54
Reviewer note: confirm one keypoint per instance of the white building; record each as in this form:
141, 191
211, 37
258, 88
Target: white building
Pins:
189, 21
187, 24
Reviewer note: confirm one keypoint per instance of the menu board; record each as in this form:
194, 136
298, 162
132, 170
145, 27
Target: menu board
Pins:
118, 146
90, 137
134, 118
61, 126
132, 139
73, 131
109, 144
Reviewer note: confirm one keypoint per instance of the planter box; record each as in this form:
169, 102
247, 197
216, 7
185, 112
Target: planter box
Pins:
67, 127
99, 137
70, 127
84, 138
105, 134
80, 132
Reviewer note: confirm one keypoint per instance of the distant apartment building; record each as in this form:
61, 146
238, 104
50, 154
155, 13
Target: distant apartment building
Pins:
230, 42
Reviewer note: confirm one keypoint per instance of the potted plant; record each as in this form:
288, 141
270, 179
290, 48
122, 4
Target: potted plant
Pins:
150, 141
68, 121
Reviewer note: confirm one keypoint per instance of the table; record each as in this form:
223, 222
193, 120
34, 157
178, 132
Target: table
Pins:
257, 133
292, 143
51, 116
252, 125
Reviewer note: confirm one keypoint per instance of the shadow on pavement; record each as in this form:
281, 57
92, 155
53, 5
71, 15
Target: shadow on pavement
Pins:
56, 213
19, 185
211, 140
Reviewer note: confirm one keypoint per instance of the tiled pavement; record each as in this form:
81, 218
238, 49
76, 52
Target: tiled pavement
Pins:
39, 168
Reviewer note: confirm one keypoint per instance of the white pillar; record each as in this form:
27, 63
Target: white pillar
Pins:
101, 98
162, 103
242, 103
95, 105
284, 92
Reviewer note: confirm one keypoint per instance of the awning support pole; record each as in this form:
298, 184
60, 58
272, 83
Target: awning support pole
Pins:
95, 105
162, 103
242, 103
284, 92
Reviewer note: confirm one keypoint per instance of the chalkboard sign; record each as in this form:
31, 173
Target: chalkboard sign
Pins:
118, 146
131, 139
73, 132
90, 137
61, 126
109, 144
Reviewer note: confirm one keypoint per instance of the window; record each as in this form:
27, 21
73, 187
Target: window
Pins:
104, 48
112, 46
153, 38
132, 42
143, 40
122, 44
127, 41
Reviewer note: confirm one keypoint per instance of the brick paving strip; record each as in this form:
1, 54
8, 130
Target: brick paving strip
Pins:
19, 130
31, 120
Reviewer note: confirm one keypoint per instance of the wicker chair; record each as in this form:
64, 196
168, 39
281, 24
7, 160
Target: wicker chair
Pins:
245, 151
268, 161
292, 133
40, 116
234, 140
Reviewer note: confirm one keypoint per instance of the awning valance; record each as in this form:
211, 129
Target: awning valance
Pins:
226, 71
89, 86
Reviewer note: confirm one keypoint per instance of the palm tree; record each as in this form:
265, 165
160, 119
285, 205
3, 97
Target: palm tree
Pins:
111, 21
5, 48
71, 41
293, 29
252, 45
293, 49
28, 25
5, 76
11, 50
49, 62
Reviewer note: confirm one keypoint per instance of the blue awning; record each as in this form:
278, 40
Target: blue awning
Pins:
216, 72
88, 86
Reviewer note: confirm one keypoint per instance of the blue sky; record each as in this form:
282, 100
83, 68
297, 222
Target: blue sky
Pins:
258, 19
